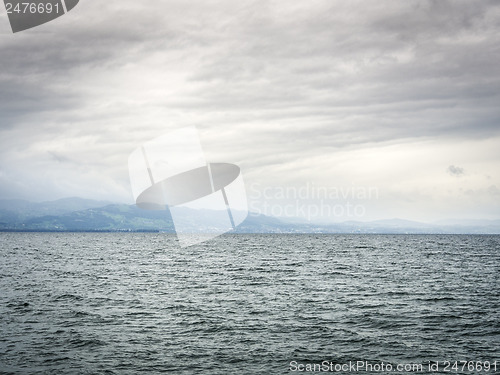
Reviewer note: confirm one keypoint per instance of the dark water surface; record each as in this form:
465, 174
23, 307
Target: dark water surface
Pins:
83, 303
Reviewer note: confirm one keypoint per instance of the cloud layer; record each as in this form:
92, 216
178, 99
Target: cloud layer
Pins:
386, 94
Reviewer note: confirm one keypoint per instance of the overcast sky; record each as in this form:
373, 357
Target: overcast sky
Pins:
400, 97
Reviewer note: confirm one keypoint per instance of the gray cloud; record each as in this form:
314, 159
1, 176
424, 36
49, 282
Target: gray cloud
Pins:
455, 171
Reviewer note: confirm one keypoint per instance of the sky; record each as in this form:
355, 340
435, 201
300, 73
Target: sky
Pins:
334, 110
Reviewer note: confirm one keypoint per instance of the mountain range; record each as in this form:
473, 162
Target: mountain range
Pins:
78, 214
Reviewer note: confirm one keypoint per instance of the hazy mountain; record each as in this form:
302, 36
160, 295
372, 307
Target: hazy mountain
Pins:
114, 217
22, 210
76, 214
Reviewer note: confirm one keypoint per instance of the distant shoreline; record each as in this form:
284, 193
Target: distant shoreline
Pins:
254, 233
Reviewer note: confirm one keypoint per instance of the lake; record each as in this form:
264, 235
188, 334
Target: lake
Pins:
130, 303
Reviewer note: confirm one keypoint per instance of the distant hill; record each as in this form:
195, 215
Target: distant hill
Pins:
76, 214
81, 215
19, 210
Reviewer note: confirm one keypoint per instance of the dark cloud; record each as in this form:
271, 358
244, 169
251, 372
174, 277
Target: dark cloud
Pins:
429, 66
455, 171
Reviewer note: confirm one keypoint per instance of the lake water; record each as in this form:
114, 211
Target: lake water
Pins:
131, 303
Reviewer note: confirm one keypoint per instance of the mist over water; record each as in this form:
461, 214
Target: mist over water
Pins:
128, 303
